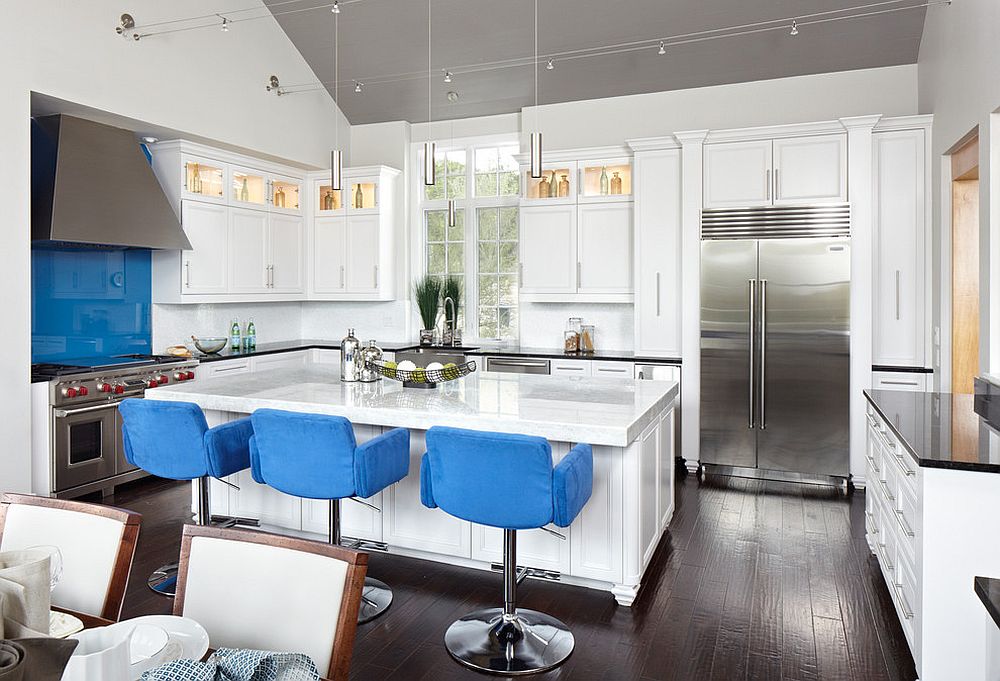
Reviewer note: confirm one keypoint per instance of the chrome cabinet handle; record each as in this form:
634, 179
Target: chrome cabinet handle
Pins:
63, 413
913, 383
763, 352
579, 268
187, 274
874, 465
899, 458
872, 518
777, 182
752, 283
569, 368
376, 276
897, 295
514, 363
903, 605
232, 368
657, 294
885, 488
902, 523
341, 276
890, 566
767, 184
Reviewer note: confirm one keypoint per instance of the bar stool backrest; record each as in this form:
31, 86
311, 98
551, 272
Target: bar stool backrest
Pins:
497, 479
305, 455
166, 439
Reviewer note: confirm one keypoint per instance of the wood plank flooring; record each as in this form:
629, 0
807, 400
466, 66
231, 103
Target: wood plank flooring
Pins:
755, 580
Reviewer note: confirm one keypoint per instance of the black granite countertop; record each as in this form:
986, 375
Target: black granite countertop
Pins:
944, 430
988, 590
290, 346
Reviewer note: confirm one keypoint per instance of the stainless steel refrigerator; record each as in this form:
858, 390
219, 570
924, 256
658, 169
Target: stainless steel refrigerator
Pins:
775, 355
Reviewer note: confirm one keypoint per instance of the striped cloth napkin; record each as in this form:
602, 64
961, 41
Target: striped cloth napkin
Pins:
228, 664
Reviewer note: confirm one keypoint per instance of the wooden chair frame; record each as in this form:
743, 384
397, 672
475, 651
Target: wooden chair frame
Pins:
130, 521
357, 567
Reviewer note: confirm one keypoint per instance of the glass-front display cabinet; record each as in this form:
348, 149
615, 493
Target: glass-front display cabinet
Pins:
556, 185
363, 194
327, 199
248, 187
606, 180
286, 194
204, 179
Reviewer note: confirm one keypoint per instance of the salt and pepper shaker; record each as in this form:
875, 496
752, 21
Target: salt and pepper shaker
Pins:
351, 361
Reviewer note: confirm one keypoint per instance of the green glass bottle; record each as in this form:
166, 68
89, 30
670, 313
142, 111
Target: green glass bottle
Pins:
604, 180
250, 338
234, 336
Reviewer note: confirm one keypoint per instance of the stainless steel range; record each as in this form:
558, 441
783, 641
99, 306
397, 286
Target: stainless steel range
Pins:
86, 453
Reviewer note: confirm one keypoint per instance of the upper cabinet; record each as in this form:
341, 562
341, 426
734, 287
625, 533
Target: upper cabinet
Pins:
556, 185
900, 266
605, 180
776, 172
203, 179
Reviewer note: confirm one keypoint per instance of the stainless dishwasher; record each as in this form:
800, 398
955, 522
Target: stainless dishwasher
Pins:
511, 365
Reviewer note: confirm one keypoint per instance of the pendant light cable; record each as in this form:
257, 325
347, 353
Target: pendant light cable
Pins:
429, 174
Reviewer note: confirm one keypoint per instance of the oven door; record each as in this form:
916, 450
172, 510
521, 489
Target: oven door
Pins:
86, 443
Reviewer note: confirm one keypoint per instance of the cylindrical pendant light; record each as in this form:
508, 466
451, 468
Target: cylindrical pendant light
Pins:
336, 170
429, 164
536, 155
451, 212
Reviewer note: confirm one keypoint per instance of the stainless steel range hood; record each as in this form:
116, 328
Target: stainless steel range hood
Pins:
91, 184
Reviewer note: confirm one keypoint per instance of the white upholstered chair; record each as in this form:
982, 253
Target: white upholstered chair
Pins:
97, 544
262, 591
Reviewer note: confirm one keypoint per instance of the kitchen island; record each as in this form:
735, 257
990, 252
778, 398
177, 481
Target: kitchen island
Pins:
629, 423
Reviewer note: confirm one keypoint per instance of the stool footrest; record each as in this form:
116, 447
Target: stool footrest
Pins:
363, 544
525, 571
231, 521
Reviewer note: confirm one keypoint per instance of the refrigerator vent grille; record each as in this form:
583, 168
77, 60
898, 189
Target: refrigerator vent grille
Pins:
777, 222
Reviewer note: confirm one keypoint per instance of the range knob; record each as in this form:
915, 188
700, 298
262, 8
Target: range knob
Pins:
104, 387
180, 376
119, 390
82, 391
153, 383
69, 392
189, 375
162, 380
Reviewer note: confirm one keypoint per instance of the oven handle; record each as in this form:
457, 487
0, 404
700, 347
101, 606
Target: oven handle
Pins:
63, 413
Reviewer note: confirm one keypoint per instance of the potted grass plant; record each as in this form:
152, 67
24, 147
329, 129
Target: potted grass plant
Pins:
451, 289
427, 292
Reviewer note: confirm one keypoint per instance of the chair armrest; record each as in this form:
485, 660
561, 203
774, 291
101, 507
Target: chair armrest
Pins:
572, 484
228, 447
426, 489
381, 462
255, 471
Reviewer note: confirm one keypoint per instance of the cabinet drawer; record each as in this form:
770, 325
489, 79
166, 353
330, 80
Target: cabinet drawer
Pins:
570, 367
214, 369
904, 595
906, 523
899, 380
606, 368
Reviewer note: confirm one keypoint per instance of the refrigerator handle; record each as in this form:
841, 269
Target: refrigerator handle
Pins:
752, 283
763, 353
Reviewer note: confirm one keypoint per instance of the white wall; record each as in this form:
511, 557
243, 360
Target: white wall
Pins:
205, 83
958, 82
175, 324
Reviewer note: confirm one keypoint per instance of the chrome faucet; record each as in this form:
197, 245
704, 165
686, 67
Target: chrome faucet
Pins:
449, 326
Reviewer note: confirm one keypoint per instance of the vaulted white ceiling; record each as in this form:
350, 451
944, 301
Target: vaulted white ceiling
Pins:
383, 43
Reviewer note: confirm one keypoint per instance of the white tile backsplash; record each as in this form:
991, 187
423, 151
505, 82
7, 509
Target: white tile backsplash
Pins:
543, 324
175, 324
384, 321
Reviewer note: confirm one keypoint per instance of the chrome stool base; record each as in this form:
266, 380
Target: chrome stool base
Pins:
525, 643
164, 580
376, 598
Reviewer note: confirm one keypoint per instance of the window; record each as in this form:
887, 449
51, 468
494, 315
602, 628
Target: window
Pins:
482, 247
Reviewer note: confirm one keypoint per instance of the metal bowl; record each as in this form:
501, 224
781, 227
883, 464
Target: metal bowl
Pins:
211, 345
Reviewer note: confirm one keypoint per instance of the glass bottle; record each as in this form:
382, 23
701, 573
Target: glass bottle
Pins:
195, 180
543, 187
564, 185
616, 183
244, 191
587, 338
552, 185
328, 200
604, 180
359, 197
250, 338
571, 337
279, 198
235, 344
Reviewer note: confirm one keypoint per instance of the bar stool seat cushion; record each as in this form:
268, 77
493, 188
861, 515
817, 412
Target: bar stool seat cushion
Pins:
521, 490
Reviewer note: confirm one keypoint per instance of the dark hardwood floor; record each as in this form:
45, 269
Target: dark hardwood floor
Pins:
755, 580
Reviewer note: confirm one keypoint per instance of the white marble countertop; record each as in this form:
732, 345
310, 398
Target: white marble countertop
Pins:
599, 410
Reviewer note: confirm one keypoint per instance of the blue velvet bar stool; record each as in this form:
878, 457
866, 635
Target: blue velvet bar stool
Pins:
172, 440
506, 481
315, 456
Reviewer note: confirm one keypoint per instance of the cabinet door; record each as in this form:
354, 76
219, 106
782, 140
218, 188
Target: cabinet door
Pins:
899, 380
604, 247
204, 268
548, 249
248, 249
247, 188
810, 170
285, 194
223, 368
556, 185
363, 194
326, 200
738, 174
329, 255
204, 180
280, 360
287, 247
362, 253
612, 368
900, 239
657, 225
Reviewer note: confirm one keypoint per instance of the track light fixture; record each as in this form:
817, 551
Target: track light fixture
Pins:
550, 65
795, 28
447, 76
336, 7
274, 86
663, 48
225, 25
358, 86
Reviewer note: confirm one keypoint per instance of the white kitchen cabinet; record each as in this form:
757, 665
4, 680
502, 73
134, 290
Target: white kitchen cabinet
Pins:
202, 179
280, 360
612, 368
248, 262
608, 179
362, 257
548, 251
570, 367
657, 224
604, 248
738, 174
326, 356
329, 254
285, 194
809, 170
899, 380
203, 269
783, 171
900, 258
557, 185
286, 250
225, 367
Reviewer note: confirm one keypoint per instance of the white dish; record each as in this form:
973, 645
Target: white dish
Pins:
191, 636
62, 624
147, 642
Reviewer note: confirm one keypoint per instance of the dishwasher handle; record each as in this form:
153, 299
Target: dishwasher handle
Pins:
522, 366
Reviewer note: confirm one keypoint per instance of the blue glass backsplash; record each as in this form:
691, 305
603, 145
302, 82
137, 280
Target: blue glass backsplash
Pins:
89, 302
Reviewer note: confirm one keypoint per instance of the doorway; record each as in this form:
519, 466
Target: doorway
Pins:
965, 265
